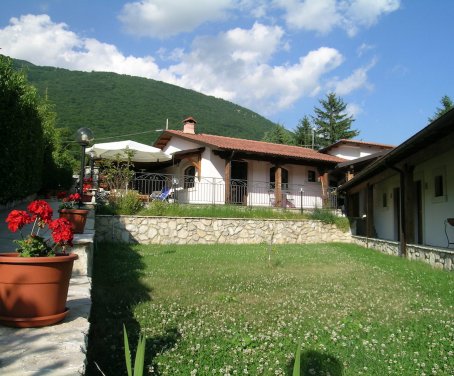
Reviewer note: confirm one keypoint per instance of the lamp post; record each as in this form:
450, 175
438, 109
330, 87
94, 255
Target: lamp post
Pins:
83, 137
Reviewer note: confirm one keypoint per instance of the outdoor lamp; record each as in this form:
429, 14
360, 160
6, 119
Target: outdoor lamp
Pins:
83, 137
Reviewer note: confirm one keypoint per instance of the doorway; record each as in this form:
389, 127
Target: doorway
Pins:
238, 182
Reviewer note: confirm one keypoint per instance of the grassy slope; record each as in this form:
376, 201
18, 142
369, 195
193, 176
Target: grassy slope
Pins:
112, 104
224, 308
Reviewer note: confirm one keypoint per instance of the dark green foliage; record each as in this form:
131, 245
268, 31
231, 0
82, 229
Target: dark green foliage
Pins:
332, 123
447, 104
21, 154
303, 133
117, 105
279, 135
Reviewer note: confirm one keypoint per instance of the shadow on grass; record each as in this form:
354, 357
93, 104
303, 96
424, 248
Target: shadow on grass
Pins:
116, 290
315, 363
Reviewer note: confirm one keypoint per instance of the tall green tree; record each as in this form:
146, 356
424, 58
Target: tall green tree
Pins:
446, 103
304, 133
279, 135
332, 122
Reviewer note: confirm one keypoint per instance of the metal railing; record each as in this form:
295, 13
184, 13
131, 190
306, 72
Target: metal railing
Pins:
206, 190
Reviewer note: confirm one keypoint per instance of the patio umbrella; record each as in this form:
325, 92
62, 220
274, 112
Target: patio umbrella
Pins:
141, 152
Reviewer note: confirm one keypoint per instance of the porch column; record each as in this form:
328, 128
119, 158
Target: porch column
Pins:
324, 183
278, 186
227, 173
370, 212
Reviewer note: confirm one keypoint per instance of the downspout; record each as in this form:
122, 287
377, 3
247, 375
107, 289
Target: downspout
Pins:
402, 211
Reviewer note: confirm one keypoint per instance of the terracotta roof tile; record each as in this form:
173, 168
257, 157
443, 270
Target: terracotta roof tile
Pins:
250, 146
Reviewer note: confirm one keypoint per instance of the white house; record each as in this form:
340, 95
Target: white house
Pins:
217, 169
407, 194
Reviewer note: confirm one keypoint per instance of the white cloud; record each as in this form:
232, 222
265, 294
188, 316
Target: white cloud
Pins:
165, 18
235, 65
353, 109
43, 42
357, 80
324, 15
364, 48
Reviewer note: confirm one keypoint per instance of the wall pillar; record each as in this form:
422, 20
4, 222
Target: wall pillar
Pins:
227, 176
278, 186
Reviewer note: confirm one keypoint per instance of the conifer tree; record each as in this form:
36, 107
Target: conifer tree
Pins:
304, 133
279, 135
447, 105
332, 122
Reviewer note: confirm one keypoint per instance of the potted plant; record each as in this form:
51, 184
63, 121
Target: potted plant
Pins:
86, 187
70, 209
34, 280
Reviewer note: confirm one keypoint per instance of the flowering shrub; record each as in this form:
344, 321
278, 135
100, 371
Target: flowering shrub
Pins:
40, 214
88, 184
71, 201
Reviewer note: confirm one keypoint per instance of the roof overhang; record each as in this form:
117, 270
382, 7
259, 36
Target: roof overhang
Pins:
434, 139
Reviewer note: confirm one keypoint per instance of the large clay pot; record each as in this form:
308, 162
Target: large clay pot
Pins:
77, 218
33, 290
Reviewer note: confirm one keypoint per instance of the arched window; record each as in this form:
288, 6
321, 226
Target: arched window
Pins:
284, 177
189, 177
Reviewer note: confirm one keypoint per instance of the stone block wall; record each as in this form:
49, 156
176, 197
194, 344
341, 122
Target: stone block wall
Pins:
178, 230
440, 258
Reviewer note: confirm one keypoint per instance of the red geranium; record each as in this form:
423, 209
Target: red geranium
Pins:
61, 231
17, 219
42, 210
35, 245
71, 201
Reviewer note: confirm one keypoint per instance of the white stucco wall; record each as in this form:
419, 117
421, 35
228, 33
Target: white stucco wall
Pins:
384, 215
350, 152
434, 210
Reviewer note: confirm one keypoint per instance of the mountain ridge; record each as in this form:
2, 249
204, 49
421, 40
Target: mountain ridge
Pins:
116, 106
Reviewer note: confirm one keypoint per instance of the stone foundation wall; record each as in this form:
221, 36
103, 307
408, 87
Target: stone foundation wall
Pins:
439, 258
178, 230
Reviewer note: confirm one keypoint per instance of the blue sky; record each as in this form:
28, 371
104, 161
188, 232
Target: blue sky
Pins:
390, 60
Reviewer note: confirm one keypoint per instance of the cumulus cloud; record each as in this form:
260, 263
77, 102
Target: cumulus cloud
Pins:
165, 18
357, 80
39, 40
324, 15
235, 65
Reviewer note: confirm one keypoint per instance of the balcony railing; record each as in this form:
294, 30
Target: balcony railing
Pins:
205, 190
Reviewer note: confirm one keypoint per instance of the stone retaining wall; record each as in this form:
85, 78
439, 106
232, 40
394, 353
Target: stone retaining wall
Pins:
439, 258
178, 230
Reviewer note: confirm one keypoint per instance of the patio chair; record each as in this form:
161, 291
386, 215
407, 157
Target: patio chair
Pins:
161, 196
449, 221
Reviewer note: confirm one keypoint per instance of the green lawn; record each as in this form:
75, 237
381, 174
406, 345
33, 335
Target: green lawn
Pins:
239, 310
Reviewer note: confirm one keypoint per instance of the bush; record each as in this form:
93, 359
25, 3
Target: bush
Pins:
327, 216
128, 203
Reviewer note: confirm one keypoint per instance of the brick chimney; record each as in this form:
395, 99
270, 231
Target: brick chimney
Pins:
189, 125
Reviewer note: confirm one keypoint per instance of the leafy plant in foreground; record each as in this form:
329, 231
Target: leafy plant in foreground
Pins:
140, 355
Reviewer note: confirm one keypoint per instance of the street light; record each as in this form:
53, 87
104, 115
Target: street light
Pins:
83, 137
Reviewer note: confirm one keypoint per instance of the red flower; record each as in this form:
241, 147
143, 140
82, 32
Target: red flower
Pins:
61, 231
17, 219
74, 197
61, 195
41, 209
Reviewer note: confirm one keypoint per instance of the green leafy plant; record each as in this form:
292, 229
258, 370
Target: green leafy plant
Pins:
297, 364
140, 355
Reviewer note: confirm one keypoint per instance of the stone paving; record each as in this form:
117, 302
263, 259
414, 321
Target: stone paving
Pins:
58, 350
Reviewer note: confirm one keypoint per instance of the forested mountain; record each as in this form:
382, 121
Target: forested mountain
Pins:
116, 105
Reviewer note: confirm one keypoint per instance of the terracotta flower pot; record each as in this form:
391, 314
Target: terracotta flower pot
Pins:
33, 290
77, 218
